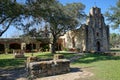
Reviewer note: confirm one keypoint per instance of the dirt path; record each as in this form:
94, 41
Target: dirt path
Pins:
75, 73
12, 74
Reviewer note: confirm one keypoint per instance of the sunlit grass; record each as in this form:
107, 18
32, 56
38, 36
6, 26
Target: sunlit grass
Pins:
103, 67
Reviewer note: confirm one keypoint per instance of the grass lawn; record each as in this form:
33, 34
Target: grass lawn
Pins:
8, 60
103, 67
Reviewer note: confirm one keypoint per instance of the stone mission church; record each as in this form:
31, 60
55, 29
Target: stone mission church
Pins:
92, 36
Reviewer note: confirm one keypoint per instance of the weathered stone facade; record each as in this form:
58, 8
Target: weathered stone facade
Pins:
92, 36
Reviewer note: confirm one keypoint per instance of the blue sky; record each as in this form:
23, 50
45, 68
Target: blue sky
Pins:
103, 4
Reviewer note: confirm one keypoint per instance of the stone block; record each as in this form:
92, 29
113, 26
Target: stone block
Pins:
58, 56
19, 56
48, 68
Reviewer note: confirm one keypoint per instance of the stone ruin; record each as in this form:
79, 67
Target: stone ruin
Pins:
46, 67
111, 53
18, 53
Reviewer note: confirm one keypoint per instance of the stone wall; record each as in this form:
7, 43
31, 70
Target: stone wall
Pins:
37, 67
48, 68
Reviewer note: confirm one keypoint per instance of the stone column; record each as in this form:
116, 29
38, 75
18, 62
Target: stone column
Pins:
6, 45
63, 44
37, 46
23, 46
50, 47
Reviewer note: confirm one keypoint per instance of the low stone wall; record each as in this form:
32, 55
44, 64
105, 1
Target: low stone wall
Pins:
18, 53
19, 56
112, 53
48, 68
58, 56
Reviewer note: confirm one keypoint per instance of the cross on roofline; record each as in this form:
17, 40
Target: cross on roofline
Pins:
95, 4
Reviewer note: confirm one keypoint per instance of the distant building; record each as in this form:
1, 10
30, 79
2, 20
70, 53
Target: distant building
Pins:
92, 36
7, 45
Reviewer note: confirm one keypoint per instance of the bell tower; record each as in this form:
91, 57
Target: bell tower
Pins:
98, 31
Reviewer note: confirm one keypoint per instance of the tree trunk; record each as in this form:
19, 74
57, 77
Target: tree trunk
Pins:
53, 47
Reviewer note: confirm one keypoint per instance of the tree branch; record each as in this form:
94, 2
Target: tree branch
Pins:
3, 20
1, 33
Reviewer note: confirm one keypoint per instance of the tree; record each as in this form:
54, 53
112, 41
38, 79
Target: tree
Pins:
10, 12
61, 18
113, 15
114, 39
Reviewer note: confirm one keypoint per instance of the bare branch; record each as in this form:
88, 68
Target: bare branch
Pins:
6, 27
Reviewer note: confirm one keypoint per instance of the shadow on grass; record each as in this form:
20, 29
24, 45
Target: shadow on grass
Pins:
89, 58
12, 74
49, 55
12, 62
75, 69
115, 50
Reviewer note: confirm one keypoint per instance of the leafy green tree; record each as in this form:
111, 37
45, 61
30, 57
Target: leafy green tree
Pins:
10, 12
113, 15
61, 18
114, 39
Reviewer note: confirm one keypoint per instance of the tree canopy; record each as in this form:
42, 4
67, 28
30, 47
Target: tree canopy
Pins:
10, 12
61, 18
114, 39
113, 15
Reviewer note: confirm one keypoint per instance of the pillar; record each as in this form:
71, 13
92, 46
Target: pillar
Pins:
37, 46
6, 45
50, 47
23, 46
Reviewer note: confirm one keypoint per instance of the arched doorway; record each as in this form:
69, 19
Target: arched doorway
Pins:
73, 42
58, 47
30, 47
98, 46
15, 46
44, 47
2, 48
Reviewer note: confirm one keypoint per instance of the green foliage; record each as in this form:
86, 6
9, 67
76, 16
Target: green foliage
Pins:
61, 18
45, 48
10, 12
114, 39
113, 15
65, 49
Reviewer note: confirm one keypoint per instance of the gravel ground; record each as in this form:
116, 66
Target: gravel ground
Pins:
75, 74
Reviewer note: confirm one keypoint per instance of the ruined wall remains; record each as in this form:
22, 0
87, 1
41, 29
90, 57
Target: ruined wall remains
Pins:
49, 68
46, 67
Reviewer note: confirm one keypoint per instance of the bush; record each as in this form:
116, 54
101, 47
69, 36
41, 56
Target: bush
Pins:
45, 48
65, 49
